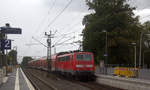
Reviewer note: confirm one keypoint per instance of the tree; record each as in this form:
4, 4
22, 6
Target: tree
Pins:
12, 57
117, 17
146, 26
25, 60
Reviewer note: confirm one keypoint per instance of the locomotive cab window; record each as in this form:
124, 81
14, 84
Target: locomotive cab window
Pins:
66, 58
86, 57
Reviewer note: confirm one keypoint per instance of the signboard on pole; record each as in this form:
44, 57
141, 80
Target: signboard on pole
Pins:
5, 44
8, 30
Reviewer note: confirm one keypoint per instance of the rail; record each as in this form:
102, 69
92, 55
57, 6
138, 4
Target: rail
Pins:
34, 85
44, 82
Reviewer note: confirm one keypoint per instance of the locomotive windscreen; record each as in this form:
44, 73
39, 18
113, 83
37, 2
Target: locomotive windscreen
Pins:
86, 57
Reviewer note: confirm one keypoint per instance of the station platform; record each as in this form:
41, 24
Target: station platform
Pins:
124, 83
16, 81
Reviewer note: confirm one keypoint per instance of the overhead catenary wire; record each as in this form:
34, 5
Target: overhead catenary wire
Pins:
59, 14
144, 18
39, 42
75, 19
42, 22
59, 39
56, 16
69, 25
65, 44
64, 35
63, 41
45, 17
33, 44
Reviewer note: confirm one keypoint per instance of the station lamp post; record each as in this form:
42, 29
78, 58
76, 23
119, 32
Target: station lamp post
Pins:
134, 44
147, 45
143, 59
141, 40
15, 57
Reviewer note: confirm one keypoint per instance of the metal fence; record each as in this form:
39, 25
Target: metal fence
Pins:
143, 73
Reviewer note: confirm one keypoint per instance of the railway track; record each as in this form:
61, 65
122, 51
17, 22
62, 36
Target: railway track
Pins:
91, 84
33, 83
96, 86
37, 82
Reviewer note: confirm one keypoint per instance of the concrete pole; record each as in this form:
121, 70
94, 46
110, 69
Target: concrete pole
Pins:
49, 53
106, 52
106, 49
135, 56
140, 49
6, 62
49, 50
143, 58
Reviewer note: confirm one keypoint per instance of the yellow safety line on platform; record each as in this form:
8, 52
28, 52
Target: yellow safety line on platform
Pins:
27, 81
17, 81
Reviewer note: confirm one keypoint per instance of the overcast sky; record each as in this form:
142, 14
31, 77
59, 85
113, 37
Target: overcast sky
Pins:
37, 16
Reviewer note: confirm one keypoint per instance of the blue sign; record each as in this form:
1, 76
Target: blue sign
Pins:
8, 30
5, 44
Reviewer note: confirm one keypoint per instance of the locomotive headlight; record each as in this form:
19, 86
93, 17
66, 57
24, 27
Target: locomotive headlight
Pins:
79, 66
89, 66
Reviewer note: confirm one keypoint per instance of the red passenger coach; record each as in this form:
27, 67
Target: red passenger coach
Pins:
54, 63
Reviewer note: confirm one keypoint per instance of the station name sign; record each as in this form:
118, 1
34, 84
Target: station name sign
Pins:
8, 30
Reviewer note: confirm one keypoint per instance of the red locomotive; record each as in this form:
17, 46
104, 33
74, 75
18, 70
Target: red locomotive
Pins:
76, 64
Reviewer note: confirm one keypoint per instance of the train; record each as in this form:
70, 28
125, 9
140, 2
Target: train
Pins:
78, 65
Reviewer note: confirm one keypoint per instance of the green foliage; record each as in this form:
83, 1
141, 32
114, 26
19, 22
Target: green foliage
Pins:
146, 26
12, 57
117, 18
26, 60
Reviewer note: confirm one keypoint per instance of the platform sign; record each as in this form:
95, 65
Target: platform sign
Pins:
8, 30
5, 44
